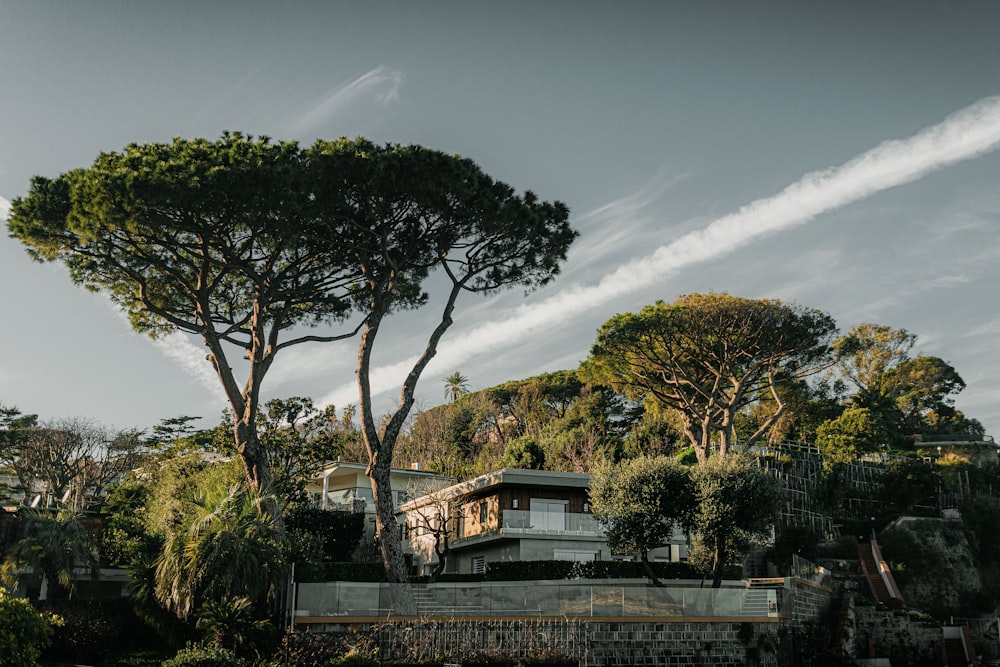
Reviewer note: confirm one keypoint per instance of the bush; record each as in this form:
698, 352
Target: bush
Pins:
24, 631
598, 569
204, 656
92, 630
374, 572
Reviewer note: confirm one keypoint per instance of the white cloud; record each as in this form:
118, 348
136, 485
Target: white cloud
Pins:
964, 135
381, 83
4, 208
190, 358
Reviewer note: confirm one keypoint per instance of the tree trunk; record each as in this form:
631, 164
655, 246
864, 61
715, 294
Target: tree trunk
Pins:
644, 557
258, 474
719, 563
390, 544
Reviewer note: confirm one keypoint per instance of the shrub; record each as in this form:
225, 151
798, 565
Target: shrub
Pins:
204, 656
94, 629
24, 632
600, 569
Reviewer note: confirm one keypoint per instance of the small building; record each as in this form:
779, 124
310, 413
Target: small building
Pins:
512, 515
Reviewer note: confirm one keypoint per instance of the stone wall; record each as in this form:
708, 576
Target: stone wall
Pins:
904, 638
679, 644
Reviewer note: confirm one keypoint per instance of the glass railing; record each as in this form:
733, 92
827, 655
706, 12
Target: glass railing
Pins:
526, 522
542, 599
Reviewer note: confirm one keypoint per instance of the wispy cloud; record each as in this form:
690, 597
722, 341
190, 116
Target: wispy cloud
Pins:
381, 85
613, 225
4, 208
178, 348
966, 134
190, 358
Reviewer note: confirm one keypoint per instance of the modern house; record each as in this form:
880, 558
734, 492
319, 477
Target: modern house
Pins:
345, 487
512, 515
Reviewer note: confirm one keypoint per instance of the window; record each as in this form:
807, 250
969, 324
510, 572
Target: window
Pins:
514, 503
548, 514
478, 565
482, 513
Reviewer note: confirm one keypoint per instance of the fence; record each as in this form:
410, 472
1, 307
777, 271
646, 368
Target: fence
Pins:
533, 599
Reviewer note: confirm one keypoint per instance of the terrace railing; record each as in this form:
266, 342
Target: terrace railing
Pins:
534, 599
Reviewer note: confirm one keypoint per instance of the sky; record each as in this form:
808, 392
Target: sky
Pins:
842, 156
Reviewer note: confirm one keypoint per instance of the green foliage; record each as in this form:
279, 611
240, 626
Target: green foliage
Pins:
640, 502
346, 572
737, 503
299, 439
527, 570
125, 538
523, 452
24, 631
182, 486
905, 395
598, 569
573, 423
708, 357
227, 550
232, 624
910, 486
456, 385
854, 432
792, 540
205, 656
94, 630
56, 544
316, 537
319, 649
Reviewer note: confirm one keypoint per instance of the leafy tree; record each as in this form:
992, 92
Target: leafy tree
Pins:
227, 550
523, 453
339, 533
24, 631
299, 439
217, 239
708, 357
737, 503
909, 484
413, 212
125, 539
854, 432
640, 502
14, 427
456, 385
907, 395
54, 544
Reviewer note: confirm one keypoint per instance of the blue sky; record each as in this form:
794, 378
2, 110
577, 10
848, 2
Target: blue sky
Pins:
727, 146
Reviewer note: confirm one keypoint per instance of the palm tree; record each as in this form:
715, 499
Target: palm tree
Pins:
55, 545
231, 624
229, 552
455, 386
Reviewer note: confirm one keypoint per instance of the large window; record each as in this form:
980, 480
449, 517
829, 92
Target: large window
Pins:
548, 514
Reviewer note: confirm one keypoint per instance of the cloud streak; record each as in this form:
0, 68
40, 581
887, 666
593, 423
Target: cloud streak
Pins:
4, 208
964, 135
382, 84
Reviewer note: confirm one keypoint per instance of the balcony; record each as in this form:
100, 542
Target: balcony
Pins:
518, 523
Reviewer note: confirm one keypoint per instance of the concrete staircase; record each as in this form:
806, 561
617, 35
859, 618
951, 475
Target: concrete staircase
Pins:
870, 569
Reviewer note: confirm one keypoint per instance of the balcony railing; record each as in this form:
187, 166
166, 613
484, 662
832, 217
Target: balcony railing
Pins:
543, 599
526, 522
